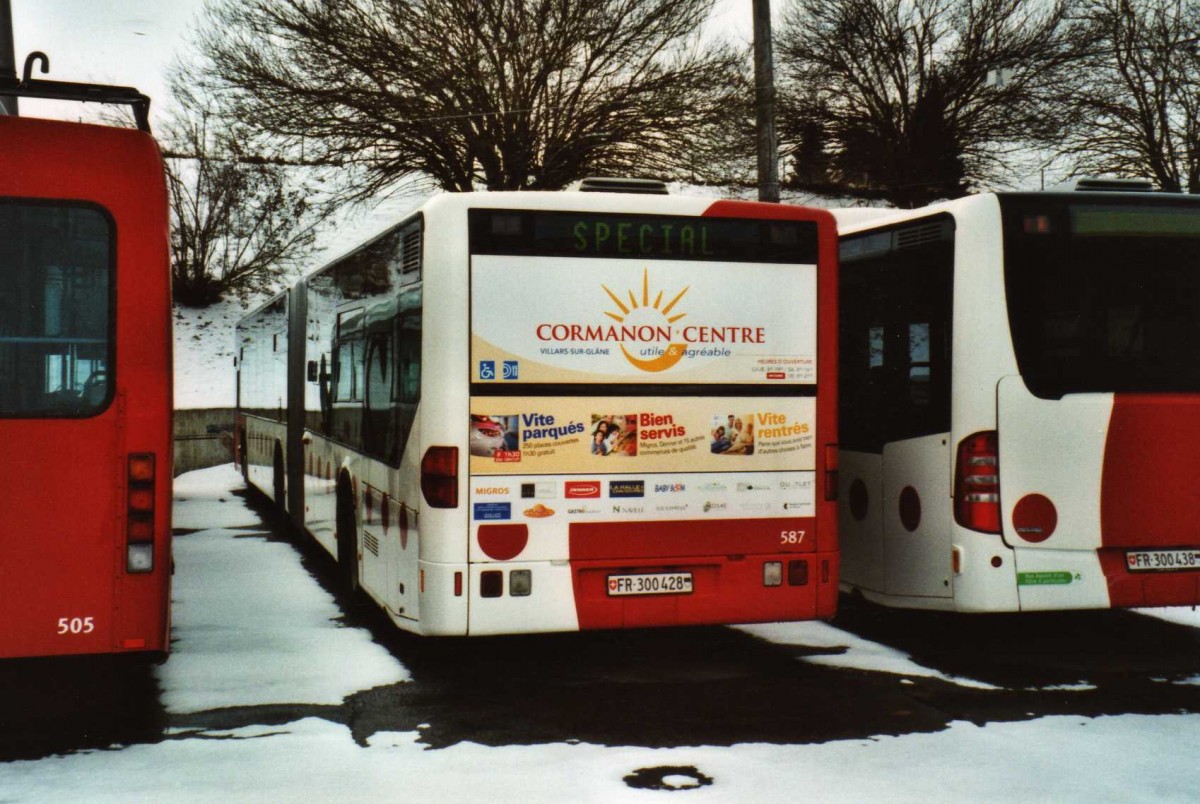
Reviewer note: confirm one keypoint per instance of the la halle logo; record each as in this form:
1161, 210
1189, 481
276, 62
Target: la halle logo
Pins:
578, 489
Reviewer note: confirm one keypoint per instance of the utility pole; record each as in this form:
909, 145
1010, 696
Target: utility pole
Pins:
8, 56
764, 104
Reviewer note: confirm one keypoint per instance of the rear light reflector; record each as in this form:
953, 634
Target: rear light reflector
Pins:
773, 573
141, 500
831, 472
491, 583
140, 528
141, 468
520, 583
797, 573
457, 583
139, 557
139, 513
977, 483
439, 477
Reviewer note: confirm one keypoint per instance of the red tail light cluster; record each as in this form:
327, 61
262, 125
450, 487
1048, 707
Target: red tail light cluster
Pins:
977, 483
139, 529
831, 472
439, 477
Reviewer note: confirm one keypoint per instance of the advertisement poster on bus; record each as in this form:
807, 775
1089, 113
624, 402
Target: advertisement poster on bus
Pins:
594, 320
548, 435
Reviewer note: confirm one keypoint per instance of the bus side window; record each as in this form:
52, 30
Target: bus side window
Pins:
379, 420
896, 295
407, 387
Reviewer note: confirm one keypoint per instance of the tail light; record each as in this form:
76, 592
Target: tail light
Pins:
139, 515
831, 472
977, 483
439, 477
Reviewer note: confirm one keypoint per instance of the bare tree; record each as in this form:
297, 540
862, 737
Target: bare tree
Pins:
891, 98
1135, 101
236, 225
507, 94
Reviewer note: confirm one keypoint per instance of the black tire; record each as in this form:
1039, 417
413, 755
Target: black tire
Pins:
244, 453
347, 536
280, 486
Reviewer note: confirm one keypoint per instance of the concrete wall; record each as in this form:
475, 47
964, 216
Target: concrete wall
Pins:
203, 438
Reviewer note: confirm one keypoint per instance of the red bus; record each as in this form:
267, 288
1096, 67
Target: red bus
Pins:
85, 383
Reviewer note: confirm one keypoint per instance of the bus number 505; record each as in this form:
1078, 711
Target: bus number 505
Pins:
76, 625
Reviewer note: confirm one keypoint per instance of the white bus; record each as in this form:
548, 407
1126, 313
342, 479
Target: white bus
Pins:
520, 412
1020, 384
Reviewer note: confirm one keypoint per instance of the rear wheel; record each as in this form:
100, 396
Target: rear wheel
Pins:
244, 454
347, 535
280, 486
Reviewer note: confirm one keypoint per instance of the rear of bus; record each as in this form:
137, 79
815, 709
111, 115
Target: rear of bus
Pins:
1098, 428
652, 414
85, 391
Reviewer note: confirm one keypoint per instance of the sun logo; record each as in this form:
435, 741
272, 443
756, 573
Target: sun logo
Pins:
649, 315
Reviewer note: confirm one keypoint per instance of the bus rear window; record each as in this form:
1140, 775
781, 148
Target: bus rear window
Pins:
1104, 296
56, 280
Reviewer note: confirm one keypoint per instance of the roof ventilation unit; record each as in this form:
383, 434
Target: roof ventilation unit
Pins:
1092, 185
608, 185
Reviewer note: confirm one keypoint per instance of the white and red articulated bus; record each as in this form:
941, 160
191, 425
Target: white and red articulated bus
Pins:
1020, 386
520, 412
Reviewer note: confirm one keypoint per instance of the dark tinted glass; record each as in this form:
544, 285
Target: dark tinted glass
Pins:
56, 323
1104, 294
658, 237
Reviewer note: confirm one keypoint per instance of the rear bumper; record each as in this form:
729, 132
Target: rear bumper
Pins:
1139, 589
726, 590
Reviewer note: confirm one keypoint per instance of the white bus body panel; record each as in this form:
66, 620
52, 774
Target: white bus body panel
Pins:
917, 561
860, 520
1053, 450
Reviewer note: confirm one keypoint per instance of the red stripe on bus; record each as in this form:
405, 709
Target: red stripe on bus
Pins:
1149, 494
827, 338
591, 541
1133, 589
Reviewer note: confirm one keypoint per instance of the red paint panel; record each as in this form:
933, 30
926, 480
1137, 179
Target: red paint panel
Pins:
1150, 491
827, 335
726, 591
1035, 518
503, 542
591, 541
1136, 589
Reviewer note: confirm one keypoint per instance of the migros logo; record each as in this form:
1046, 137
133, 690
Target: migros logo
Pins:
646, 323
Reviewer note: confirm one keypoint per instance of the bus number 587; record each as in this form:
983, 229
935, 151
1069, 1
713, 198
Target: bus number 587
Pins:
791, 536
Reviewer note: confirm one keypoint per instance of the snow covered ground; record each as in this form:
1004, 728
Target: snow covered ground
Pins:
253, 628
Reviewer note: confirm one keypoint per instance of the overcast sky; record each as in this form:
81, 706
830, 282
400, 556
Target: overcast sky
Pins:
123, 42
133, 42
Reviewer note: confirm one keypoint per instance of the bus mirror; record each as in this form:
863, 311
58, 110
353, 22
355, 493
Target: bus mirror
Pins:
312, 371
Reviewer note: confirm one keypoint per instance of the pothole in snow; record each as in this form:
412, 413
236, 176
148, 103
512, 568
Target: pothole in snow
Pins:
668, 777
